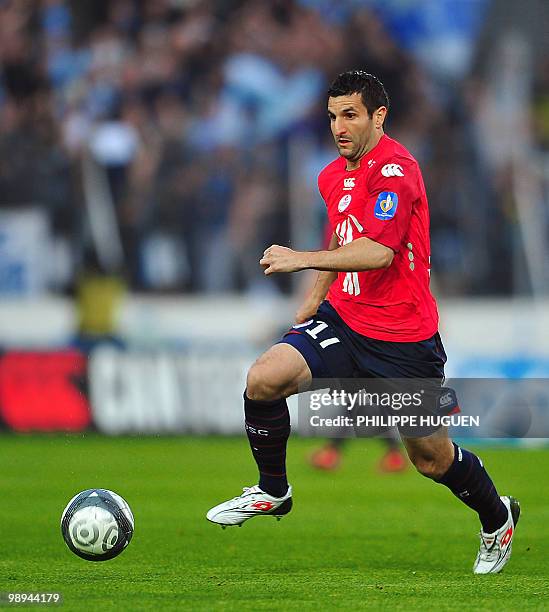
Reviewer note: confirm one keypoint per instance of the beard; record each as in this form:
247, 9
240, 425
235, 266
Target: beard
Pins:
348, 152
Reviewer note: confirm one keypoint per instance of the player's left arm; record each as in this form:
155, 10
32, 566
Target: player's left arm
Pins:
357, 256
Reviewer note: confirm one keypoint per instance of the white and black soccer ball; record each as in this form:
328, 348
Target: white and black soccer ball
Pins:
97, 524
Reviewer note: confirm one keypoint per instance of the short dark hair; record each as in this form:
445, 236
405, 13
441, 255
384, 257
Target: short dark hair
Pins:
367, 85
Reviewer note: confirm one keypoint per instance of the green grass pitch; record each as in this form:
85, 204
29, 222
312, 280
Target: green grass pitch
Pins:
356, 539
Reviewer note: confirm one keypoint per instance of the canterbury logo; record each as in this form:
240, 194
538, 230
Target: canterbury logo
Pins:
348, 184
257, 432
392, 170
446, 399
264, 506
507, 537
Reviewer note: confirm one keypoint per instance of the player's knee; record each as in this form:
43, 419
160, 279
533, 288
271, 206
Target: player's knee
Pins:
261, 385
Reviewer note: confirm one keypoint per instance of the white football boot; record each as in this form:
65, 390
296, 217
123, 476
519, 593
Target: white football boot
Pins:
495, 548
252, 502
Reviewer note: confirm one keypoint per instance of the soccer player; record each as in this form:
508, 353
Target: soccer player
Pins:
370, 314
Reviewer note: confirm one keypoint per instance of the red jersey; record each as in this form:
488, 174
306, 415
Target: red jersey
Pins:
384, 200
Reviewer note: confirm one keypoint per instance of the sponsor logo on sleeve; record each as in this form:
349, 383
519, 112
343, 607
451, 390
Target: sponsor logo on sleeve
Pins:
344, 202
386, 205
392, 170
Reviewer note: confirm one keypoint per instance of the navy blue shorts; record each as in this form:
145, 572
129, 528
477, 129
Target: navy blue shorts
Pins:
333, 350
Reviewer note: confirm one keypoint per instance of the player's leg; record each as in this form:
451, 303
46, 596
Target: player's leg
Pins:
307, 351
276, 375
431, 455
437, 457
279, 372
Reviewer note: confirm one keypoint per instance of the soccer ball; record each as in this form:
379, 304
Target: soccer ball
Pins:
97, 524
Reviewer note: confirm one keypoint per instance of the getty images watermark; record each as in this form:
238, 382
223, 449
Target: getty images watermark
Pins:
392, 414
477, 408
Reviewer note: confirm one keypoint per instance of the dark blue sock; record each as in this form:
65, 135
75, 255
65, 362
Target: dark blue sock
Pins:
268, 430
469, 481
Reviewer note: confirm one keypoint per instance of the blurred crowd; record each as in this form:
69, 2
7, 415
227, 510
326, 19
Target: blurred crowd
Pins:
192, 111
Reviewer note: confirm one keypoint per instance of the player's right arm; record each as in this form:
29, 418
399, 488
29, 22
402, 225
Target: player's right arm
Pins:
308, 309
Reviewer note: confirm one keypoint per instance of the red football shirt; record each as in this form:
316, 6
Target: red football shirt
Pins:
383, 200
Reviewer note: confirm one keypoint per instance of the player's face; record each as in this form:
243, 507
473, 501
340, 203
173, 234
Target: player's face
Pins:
354, 131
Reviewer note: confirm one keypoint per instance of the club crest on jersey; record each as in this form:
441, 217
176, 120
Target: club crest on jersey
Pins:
392, 170
386, 205
344, 202
348, 184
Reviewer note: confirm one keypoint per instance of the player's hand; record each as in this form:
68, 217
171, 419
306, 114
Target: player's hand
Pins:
306, 311
277, 258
